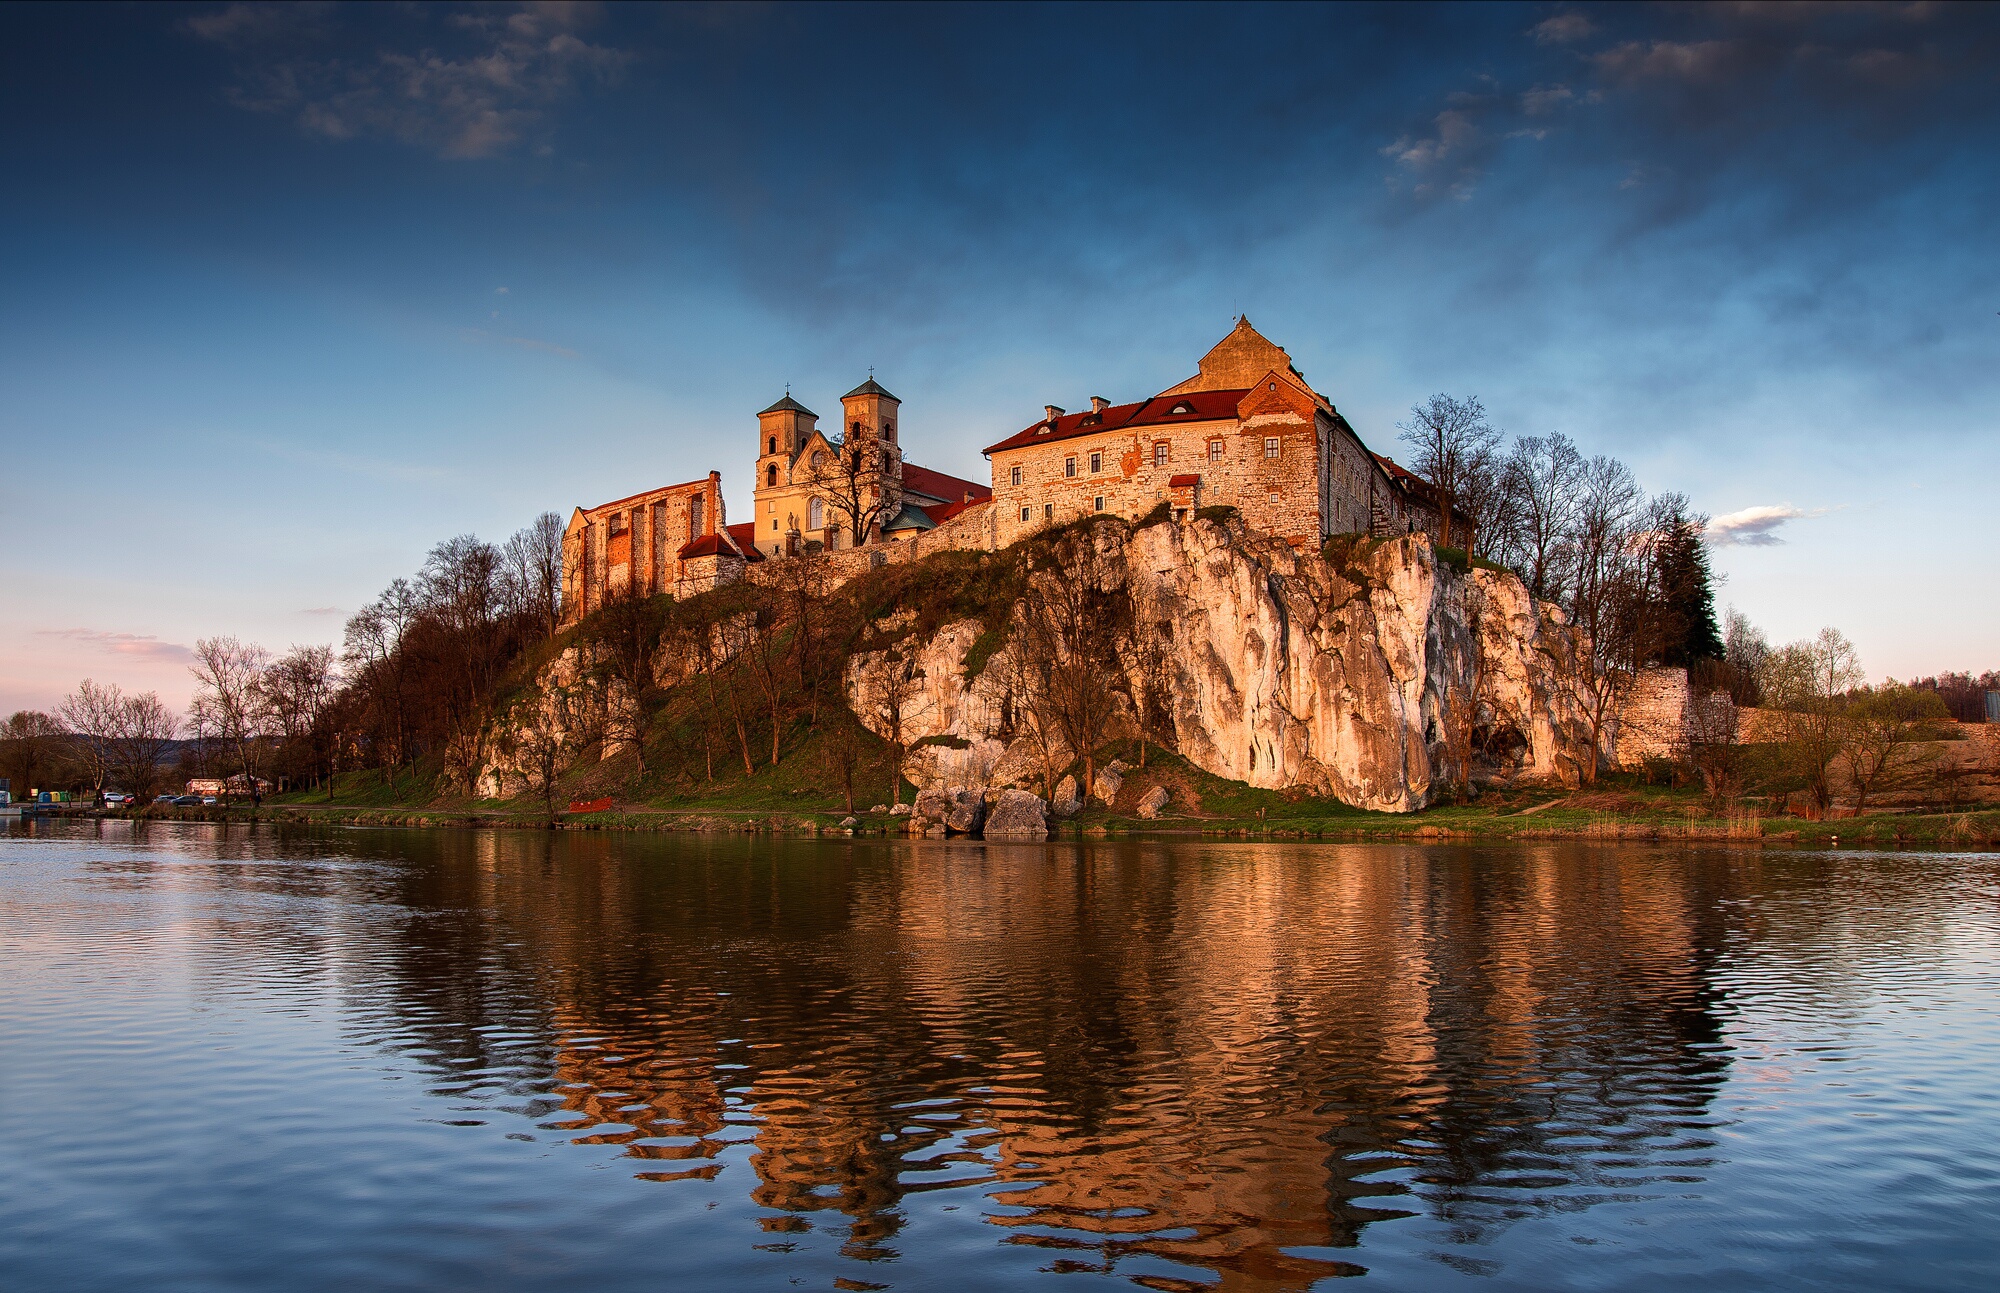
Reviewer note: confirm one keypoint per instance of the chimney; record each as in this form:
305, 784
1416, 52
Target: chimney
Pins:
1098, 404
1052, 411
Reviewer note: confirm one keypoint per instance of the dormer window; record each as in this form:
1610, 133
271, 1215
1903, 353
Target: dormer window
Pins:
1182, 407
1090, 420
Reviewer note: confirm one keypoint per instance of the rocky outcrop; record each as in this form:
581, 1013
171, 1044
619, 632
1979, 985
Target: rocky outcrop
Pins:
1377, 680
1017, 814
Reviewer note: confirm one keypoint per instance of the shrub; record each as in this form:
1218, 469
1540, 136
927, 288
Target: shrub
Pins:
1220, 512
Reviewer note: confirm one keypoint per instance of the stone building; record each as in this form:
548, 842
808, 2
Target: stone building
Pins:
1246, 431
817, 492
670, 540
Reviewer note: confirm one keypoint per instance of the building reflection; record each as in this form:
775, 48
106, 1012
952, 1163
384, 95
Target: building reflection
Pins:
1199, 1066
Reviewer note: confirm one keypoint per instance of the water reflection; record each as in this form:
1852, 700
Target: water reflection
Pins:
1192, 1066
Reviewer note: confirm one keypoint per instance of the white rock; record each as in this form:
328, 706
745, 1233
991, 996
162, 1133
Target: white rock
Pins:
1155, 800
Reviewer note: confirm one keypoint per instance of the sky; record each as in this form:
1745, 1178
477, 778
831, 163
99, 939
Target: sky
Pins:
289, 294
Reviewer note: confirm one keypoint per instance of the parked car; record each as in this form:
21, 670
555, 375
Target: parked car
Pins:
165, 799
113, 799
208, 801
187, 801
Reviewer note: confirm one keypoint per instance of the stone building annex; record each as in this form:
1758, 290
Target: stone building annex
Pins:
1246, 431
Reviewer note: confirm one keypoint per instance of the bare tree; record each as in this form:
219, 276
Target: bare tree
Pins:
228, 677
1068, 623
1807, 683
30, 741
296, 691
544, 730
1543, 476
888, 691
1606, 543
1456, 450
91, 716
626, 634
378, 662
1885, 725
852, 485
1714, 747
146, 732
533, 560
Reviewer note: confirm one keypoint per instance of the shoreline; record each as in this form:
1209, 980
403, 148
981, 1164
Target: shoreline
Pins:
1971, 829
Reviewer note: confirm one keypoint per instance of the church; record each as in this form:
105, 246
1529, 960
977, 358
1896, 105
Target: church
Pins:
1246, 431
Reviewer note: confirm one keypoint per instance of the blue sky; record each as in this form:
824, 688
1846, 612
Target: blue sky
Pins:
289, 294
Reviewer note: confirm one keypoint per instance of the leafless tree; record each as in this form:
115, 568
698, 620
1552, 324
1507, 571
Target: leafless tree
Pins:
1606, 536
1067, 627
1714, 746
626, 634
296, 691
888, 691
545, 728
31, 742
228, 678
91, 715
378, 663
533, 561
1543, 477
800, 586
1886, 725
1807, 684
1456, 450
852, 485
146, 732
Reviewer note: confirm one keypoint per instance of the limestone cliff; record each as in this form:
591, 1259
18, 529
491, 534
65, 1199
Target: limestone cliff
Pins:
1378, 678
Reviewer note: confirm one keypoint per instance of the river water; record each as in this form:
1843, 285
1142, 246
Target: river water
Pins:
248, 1059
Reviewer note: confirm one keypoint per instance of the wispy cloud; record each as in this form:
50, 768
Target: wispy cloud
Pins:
479, 92
1756, 527
320, 610
144, 646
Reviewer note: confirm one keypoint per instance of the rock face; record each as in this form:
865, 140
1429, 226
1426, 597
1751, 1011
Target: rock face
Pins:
1155, 800
1017, 814
1377, 680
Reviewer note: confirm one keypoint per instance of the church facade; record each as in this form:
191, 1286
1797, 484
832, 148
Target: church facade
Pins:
1246, 432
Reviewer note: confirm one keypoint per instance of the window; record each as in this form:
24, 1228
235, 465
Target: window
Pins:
771, 474
774, 445
774, 522
1014, 478
856, 429
1159, 453
889, 428
1215, 451
616, 525
1182, 407
1270, 446
1025, 513
819, 459
1069, 466
1097, 504
1096, 463
816, 515
1048, 511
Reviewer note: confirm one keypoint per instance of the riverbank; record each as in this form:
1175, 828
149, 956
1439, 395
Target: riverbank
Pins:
1582, 817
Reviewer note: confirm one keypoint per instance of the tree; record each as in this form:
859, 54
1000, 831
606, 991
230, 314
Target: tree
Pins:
890, 689
91, 715
296, 690
379, 665
146, 732
1067, 629
544, 729
1605, 591
1713, 745
1543, 476
851, 484
533, 561
31, 743
228, 678
1746, 653
1884, 724
626, 634
1807, 683
1454, 448
1685, 633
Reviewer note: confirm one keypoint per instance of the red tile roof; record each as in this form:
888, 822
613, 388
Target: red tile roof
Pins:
945, 511
1178, 482
645, 493
745, 534
708, 545
1203, 406
936, 484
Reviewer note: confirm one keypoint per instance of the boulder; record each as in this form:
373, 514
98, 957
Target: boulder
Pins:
968, 812
879, 808
1155, 800
932, 804
1066, 802
1110, 780
1017, 814
900, 810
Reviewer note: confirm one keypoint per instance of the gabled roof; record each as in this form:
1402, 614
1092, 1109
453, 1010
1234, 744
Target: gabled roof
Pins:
870, 387
646, 493
745, 534
708, 545
1202, 406
1183, 481
939, 485
789, 405
911, 517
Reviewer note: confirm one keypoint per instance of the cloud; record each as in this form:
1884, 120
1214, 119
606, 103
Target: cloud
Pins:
478, 98
320, 610
1562, 29
1756, 527
144, 646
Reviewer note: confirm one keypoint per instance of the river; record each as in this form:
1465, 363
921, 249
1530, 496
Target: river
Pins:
246, 1058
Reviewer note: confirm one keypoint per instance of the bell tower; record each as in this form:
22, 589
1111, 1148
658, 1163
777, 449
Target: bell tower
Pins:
782, 431
869, 415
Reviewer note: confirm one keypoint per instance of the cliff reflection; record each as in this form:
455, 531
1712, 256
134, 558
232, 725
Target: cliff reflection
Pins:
1214, 1055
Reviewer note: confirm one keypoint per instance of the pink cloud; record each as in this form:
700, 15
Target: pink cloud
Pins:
145, 646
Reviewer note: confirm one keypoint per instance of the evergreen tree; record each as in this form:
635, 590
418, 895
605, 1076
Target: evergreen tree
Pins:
1687, 596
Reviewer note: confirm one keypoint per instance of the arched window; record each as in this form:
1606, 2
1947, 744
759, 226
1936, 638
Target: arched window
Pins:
888, 430
771, 474
815, 516
819, 459
774, 445
856, 429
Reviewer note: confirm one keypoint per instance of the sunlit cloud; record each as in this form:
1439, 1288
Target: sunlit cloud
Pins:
144, 646
1756, 527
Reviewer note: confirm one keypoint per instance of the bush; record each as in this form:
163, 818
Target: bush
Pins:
1220, 512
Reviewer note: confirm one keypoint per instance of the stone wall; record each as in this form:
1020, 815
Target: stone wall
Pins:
1652, 719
